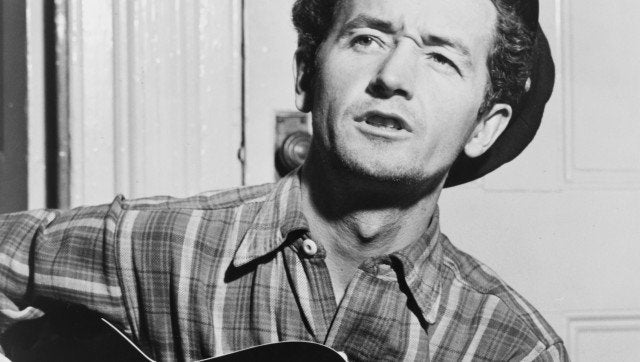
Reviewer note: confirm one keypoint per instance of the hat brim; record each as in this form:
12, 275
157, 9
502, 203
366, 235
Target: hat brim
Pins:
523, 126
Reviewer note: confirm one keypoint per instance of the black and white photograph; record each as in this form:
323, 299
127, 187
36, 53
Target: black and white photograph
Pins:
319, 180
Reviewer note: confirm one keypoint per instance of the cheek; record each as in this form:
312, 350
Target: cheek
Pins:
456, 104
326, 107
452, 118
337, 93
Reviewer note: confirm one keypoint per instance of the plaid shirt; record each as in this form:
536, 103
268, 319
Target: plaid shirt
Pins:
203, 276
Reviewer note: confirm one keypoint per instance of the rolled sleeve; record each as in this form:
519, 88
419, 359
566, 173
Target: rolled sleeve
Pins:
554, 353
60, 255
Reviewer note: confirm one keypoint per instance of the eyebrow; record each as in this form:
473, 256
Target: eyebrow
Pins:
447, 42
366, 21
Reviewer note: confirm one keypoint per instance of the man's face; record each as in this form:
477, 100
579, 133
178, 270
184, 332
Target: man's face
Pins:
399, 84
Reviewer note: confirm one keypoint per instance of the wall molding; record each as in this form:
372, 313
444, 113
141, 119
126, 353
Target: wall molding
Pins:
583, 323
36, 105
577, 173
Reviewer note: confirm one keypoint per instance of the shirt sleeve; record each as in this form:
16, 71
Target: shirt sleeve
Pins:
66, 256
555, 353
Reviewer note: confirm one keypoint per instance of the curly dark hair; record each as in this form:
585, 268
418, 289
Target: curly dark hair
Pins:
509, 62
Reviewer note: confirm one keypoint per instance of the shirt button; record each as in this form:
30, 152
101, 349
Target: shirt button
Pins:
309, 247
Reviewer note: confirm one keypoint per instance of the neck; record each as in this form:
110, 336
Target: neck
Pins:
355, 220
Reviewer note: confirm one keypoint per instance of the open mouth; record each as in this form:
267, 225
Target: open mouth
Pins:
384, 121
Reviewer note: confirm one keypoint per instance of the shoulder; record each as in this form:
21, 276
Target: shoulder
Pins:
210, 200
96, 216
476, 300
216, 207
209, 216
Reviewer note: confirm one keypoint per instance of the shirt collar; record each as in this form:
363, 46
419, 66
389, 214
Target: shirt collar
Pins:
279, 215
422, 264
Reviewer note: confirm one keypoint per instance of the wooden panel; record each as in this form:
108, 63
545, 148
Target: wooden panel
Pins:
155, 97
13, 91
604, 337
602, 79
35, 104
184, 69
90, 104
270, 44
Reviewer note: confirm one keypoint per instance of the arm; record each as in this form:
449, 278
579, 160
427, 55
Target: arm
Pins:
63, 256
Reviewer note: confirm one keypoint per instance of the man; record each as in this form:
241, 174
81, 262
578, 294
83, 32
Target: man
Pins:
407, 97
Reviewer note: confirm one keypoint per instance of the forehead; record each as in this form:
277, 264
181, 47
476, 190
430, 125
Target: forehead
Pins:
472, 21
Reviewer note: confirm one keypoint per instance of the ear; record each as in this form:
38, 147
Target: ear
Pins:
302, 85
489, 127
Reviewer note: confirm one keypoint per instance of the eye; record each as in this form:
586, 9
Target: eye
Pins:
442, 60
365, 41
439, 58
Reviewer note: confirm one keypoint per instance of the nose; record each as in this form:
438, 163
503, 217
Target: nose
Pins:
397, 74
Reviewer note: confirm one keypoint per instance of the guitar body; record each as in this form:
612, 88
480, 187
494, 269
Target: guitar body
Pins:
279, 351
283, 351
74, 334
66, 334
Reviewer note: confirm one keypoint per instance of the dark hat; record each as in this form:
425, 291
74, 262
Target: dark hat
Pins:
527, 114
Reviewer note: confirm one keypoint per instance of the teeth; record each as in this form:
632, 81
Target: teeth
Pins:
383, 122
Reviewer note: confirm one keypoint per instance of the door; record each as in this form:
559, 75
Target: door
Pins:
561, 222
13, 125
150, 97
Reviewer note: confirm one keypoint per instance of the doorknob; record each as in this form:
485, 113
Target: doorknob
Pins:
293, 151
292, 141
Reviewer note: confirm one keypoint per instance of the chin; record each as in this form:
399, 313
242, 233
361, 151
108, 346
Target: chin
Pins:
382, 171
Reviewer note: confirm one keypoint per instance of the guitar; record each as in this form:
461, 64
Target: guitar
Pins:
72, 335
280, 351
